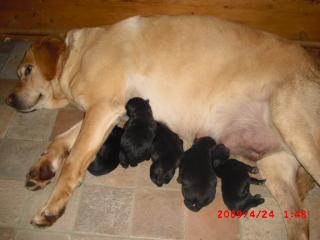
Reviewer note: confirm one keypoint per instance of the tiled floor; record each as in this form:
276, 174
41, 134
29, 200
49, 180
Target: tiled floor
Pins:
123, 205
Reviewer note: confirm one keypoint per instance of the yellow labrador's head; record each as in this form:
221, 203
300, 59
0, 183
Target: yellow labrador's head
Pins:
36, 72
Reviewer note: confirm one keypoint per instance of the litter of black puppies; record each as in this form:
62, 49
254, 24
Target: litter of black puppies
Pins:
138, 135
235, 181
143, 138
107, 159
166, 151
197, 176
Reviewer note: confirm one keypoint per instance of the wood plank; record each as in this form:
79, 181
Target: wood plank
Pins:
299, 19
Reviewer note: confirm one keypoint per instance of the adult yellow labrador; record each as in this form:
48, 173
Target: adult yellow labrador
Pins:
253, 91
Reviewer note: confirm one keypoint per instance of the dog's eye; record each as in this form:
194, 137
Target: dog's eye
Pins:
28, 70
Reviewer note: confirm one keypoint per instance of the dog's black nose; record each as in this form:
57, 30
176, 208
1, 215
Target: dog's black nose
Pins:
11, 99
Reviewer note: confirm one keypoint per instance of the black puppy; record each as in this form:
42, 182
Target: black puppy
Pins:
107, 158
166, 151
197, 176
235, 181
138, 135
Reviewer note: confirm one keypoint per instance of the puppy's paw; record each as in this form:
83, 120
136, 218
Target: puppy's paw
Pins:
258, 199
39, 176
124, 165
254, 170
257, 181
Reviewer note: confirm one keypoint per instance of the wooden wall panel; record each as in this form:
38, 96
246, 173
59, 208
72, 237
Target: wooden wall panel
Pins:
295, 19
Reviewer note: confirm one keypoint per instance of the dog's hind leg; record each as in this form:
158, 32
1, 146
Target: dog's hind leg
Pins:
47, 166
97, 125
296, 115
280, 171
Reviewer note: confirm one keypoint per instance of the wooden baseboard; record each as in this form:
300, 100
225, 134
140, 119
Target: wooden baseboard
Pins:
293, 19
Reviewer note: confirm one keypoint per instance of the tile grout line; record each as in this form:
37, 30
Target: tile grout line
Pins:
10, 125
10, 122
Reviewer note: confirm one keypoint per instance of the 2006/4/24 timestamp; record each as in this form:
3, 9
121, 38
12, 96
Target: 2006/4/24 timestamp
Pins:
256, 214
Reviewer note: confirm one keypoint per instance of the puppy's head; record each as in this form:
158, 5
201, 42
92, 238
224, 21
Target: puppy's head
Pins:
36, 72
199, 195
160, 175
204, 143
219, 155
137, 106
195, 198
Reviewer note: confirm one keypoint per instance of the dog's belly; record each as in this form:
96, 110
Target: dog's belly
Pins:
249, 132
244, 126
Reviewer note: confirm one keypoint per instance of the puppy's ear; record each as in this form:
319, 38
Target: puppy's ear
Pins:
220, 151
46, 53
179, 179
216, 162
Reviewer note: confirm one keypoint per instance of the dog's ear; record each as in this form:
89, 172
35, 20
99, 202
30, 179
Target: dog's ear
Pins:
46, 53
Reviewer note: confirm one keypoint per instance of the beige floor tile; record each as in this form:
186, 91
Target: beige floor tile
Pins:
41, 235
34, 202
267, 228
9, 70
6, 87
32, 126
6, 233
205, 224
3, 59
104, 210
92, 237
65, 120
17, 156
7, 115
12, 198
157, 214
312, 203
143, 177
120, 177
6, 46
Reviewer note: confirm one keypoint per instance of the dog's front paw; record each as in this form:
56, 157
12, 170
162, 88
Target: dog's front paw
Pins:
39, 176
46, 218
